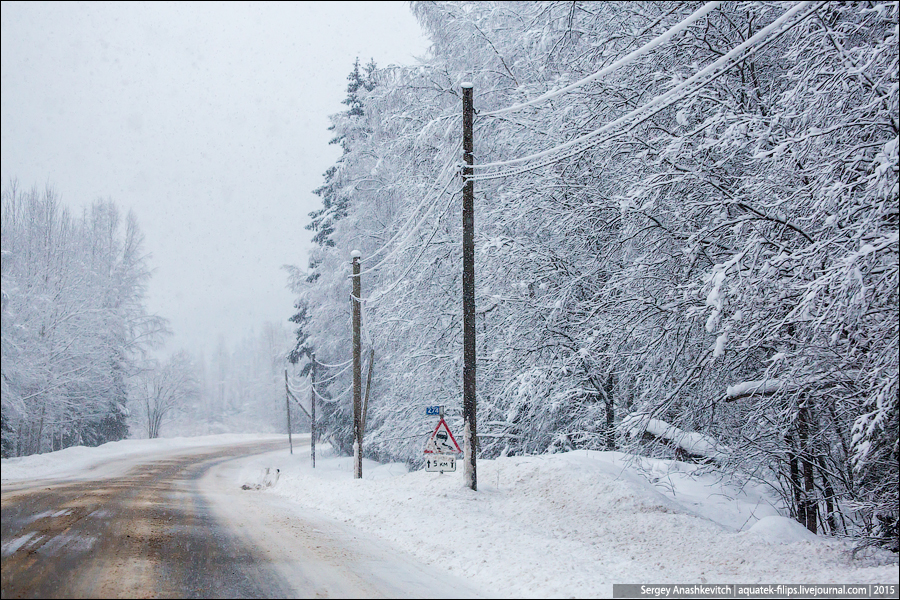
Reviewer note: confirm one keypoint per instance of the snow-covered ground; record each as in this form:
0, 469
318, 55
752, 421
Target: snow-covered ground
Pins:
573, 524
108, 460
568, 524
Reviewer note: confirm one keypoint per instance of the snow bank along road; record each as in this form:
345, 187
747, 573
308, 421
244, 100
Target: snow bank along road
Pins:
180, 526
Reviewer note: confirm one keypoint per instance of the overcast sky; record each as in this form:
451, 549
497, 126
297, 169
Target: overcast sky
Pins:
208, 120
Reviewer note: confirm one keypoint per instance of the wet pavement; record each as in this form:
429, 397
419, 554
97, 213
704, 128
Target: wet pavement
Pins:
147, 534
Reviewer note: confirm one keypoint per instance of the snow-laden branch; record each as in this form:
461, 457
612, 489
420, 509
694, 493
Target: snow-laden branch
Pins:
659, 40
689, 86
763, 387
692, 443
768, 387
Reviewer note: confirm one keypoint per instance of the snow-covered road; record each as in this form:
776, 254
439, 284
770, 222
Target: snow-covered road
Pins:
317, 555
180, 525
170, 518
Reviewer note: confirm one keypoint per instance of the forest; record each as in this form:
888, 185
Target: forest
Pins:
84, 362
686, 233
686, 229
75, 329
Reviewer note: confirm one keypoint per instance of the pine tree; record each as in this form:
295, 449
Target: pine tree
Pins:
335, 200
356, 82
348, 126
301, 347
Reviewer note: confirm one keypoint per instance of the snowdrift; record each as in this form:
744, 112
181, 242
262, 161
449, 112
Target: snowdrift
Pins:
573, 524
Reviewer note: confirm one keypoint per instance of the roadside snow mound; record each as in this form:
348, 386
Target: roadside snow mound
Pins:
572, 524
780, 530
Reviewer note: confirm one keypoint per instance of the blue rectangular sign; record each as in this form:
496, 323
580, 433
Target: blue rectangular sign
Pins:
432, 410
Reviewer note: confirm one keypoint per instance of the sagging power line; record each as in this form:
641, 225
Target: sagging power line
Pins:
659, 40
690, 86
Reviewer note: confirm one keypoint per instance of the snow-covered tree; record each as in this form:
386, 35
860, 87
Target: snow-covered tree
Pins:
163, 388
74, 321
705, 238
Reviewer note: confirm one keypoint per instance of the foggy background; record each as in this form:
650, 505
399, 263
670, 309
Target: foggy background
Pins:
208, 120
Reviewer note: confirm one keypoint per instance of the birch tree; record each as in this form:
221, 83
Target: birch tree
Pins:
74, 321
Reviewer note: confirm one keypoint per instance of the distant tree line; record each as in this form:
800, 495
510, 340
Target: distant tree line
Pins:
241, 385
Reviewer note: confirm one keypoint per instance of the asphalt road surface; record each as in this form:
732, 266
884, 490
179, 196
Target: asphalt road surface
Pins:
181, 527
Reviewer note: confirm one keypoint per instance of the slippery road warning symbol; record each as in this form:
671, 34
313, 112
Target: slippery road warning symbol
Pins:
441, 440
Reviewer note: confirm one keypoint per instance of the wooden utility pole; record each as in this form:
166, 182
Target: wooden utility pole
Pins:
468, 284
312, 417
312, 406
355, 301
287, 405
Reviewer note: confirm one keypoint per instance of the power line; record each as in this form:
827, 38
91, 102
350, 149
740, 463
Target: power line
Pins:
295, 391
401, 245
331, 400
426, 198
377, 295
333, 377
661, 39
321, 364
689, 86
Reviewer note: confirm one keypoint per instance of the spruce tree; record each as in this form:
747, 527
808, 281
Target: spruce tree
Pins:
335, 200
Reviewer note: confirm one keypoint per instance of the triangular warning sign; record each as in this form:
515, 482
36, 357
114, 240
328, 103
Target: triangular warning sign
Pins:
441, 440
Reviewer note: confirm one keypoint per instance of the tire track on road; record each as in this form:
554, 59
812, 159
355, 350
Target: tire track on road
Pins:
145, 534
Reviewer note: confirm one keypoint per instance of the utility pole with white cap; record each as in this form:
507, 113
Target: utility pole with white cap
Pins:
468, 284
356, 300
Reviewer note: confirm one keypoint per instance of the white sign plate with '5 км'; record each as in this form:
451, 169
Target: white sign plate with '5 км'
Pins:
440, 462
